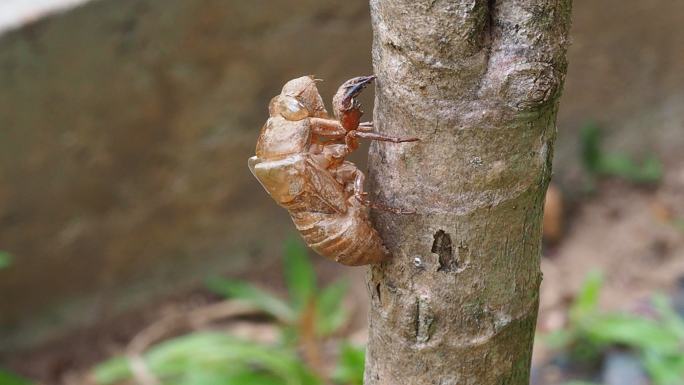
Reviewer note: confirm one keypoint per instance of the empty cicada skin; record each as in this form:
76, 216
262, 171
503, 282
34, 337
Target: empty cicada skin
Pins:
300, 162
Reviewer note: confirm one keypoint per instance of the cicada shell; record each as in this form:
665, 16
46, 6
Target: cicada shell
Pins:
300, 162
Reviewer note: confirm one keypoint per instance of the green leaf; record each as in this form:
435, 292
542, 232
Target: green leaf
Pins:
299, 274
252, 378
586, 302
580, 383
678, 223
5, 261
212, 358
590, 143
253, 295
616, 165
559, 339
633, 331
289, 334
350, 365
596, 162
112, 371
219, 377
650, 171
658, 341
669, 317
664, 370
211, 351
330, 314
7, 378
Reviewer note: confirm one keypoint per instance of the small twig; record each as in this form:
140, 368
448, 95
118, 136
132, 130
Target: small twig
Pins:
141, 372
309, 341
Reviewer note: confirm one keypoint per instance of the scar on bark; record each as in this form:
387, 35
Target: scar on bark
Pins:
443, 248
424, 324
377, 292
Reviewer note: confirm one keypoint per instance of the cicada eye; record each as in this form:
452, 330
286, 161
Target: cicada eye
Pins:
290, 108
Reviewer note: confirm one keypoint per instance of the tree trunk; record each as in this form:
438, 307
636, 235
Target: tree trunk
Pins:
478, 81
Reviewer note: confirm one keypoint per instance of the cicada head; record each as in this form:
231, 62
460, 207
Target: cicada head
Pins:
345, 106
298, 99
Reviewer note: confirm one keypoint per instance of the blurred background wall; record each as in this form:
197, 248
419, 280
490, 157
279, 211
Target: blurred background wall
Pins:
125, 126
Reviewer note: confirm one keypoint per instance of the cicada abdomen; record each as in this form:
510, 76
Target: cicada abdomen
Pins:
333, 224
348, 238
300, 161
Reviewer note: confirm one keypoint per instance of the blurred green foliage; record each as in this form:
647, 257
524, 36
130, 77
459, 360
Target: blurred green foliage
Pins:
579, 383
7, 378
306, 301
5, 261
658, 340
679, 223
350, 366
599, 163
213, 358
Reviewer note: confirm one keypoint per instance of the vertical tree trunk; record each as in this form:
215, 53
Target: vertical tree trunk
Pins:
478, 81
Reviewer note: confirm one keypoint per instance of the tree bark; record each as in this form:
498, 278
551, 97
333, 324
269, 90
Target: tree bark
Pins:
478, 81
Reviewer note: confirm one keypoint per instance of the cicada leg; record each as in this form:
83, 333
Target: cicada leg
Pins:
353, 179
365, 127
380, 137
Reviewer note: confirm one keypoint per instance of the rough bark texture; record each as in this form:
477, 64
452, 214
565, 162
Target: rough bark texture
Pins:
478, 81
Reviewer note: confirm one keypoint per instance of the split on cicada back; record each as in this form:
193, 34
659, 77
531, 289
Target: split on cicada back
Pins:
289, 108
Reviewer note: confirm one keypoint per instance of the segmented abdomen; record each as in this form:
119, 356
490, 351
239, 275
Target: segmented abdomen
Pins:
348, 238
335, 226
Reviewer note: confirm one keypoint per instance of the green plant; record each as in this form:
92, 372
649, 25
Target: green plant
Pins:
679, 223
307, 305
213, 358
5, 260
350, 365
8, 378
658, 341
216, 358
599, 163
